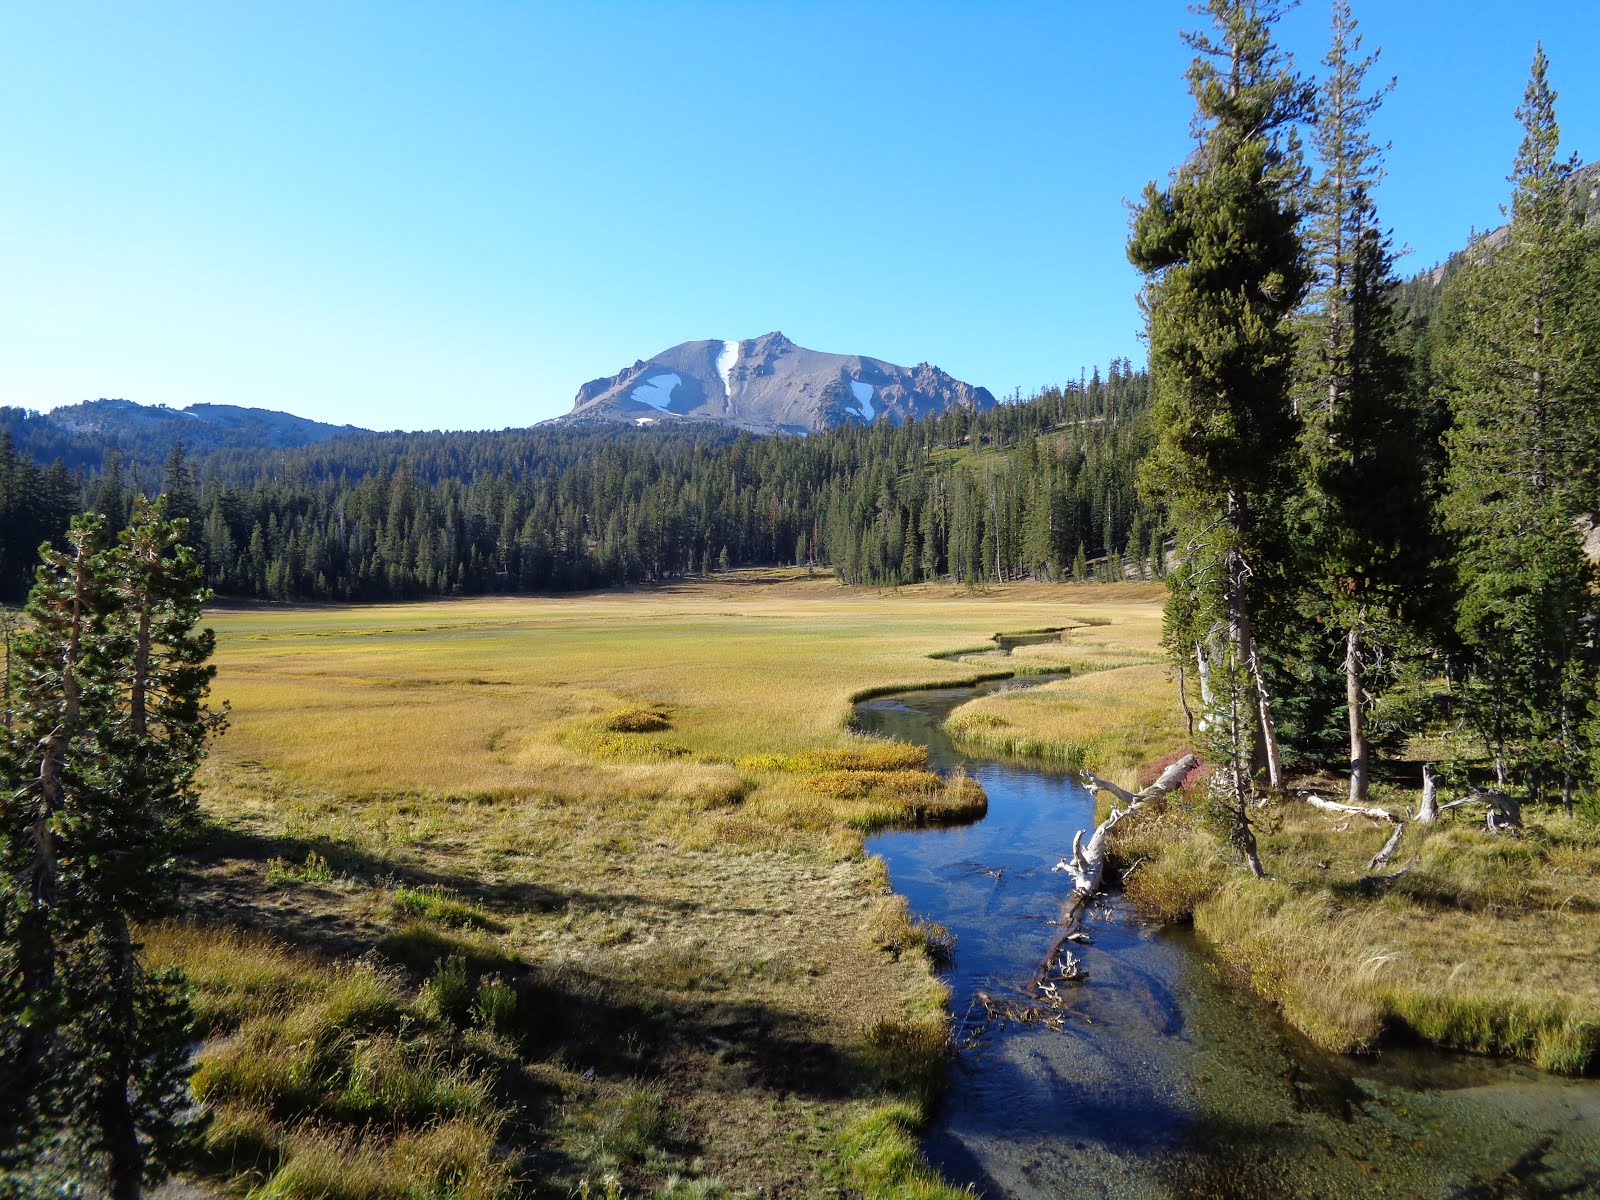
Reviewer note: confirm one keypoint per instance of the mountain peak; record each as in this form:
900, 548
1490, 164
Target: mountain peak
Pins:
768, 384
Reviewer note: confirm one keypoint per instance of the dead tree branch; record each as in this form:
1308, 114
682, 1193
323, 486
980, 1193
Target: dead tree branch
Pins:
1382, 857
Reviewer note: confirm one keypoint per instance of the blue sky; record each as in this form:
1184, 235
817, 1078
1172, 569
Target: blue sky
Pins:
450, 215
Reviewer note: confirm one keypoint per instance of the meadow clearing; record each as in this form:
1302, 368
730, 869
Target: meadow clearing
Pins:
571, 891
567, 895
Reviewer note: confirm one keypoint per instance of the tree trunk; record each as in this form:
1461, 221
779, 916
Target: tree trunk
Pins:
1183, 699
1430, 794
1358, 725
141, 672
114, 1110
1566, 747
1243, 639
1208, 701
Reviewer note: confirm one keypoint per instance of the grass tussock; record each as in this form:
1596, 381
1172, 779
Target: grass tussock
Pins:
862, 788
334, 1079
449, 1160
878, 1150
420, 946
624, 1128
636, 720
626, 747
315, 869
872, 755
1106, 720
234, 975
1169, 867
435, 903
910, 785
993, 735
894, 929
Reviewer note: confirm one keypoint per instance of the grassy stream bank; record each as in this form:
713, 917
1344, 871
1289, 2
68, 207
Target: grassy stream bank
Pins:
1490, 943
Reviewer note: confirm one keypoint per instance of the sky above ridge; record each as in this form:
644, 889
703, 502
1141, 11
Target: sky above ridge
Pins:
451, 215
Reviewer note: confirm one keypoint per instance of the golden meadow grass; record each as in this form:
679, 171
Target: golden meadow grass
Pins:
586, 871
1117, 708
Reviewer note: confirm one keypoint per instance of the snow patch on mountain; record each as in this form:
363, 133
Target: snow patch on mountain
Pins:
727, 359
657, 391
863, 393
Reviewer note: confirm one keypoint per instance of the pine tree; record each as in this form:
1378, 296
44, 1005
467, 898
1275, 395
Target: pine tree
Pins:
110, 726
1518, 365
1224, 271
1366, 438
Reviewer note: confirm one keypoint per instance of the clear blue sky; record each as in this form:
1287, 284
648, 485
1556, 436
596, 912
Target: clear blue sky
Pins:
450, 215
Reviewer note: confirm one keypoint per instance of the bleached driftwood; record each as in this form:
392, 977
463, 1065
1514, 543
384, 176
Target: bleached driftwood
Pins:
1382, 857
1088, 861
1096, 784
1356, 810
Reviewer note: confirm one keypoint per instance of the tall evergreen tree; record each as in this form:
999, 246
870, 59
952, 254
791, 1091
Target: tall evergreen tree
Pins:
110, 726
1225, 270
1369, 477
1519, 367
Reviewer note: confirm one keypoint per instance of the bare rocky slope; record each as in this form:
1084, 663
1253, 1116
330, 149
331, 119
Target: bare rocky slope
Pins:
769, 385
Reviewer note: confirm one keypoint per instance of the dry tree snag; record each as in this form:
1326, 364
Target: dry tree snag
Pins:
1430, 794
1503, 813
1088, 861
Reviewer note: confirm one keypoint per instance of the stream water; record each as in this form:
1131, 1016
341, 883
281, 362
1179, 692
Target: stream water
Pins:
1163, 1081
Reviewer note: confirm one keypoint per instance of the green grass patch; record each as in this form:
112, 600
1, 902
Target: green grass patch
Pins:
879, 1156
439, 904
315, 869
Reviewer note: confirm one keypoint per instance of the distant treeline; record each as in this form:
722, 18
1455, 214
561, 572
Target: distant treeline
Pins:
1032, 489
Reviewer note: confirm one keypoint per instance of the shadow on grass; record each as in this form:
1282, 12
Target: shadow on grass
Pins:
622, 1026
225, 870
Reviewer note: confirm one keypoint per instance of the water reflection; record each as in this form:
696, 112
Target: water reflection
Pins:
1163, 1082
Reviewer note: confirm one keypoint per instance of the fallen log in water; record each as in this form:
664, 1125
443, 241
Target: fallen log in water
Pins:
1088, 862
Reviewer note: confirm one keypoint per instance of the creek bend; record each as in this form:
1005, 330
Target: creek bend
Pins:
1163, 1081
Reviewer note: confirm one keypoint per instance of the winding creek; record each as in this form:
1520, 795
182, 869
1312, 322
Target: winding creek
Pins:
1163, 1082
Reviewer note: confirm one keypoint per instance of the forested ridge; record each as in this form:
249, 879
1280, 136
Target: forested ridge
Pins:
1033, 488
1040, 488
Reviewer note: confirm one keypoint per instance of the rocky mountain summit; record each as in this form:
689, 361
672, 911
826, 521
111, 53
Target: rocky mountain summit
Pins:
769, 385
